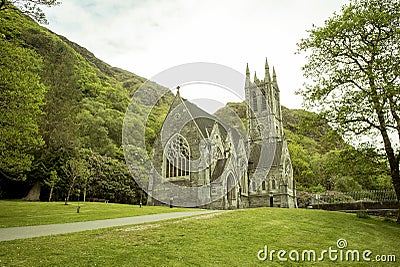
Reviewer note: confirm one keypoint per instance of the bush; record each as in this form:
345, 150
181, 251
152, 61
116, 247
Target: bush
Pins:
347, 184
362, 214
336, 198
303, 199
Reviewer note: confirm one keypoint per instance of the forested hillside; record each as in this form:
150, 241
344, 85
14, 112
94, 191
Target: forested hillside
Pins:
61, 115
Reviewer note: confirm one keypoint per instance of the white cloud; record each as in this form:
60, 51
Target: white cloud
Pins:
147, 37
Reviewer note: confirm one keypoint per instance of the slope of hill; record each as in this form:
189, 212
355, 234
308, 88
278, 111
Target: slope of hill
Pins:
61, 115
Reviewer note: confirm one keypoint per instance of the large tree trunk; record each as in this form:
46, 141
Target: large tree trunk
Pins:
394, 169
396, 183
391, 156
398, 212
34, 193
395, 174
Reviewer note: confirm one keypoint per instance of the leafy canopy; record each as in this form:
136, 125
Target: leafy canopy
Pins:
21, 99
354, 65
353, 69
31, 7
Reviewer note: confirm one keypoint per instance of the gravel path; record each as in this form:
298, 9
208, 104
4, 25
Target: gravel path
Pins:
12, 233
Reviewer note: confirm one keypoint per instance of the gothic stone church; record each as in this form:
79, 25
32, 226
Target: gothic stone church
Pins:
224, 174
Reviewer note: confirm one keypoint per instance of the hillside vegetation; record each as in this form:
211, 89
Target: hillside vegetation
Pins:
322, 160
61, 116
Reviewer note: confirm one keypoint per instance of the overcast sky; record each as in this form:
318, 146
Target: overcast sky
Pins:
147, 37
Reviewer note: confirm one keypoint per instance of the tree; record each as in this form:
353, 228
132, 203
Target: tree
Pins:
353, 66
74, 169
51, 182
110, 179
58, 125
21, 99
30, 7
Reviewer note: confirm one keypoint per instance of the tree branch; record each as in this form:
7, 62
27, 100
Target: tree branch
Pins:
395, 115
382, 123
3, 4
362, 119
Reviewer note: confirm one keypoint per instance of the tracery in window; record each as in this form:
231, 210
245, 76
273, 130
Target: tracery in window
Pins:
255, 106
263, 103
176, 157
243, 183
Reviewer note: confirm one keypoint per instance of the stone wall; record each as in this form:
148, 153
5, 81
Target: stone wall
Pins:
358, 205
256, 201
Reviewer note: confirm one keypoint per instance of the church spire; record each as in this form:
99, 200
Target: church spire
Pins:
274, 81
247, 71
278, 110
255, 76
267, 74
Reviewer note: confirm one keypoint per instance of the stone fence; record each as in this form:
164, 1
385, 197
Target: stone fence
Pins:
374, 202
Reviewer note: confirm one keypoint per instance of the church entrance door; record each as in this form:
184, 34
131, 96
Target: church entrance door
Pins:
231, 196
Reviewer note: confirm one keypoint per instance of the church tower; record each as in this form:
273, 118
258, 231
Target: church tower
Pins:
269, 167
264, 115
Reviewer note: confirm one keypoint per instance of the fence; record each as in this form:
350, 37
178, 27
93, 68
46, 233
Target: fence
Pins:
359, 196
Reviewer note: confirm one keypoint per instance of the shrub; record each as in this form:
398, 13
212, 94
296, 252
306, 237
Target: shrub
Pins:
362, 214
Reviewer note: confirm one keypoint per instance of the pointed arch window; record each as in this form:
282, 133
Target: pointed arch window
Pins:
176, 157
243, 183
254, 99
263, 103
254, 186
263, 186
273, 184
231, 187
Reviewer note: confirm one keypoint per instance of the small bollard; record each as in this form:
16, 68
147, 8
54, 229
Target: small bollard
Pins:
140, 203
77, 209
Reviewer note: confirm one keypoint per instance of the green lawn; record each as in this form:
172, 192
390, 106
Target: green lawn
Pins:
224, 239
21, 213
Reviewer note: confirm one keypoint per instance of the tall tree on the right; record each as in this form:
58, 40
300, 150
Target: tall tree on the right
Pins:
353, 66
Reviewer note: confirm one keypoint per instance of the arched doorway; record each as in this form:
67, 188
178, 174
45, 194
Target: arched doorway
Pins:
230, 187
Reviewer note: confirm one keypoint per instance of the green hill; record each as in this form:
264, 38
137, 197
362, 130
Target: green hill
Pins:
61, 113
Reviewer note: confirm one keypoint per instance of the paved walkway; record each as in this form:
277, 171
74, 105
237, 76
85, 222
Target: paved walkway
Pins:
12, 233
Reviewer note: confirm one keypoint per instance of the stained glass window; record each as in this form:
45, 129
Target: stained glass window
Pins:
177, 155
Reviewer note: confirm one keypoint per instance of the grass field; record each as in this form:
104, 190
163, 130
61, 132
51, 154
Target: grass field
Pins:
21, 213
225, 239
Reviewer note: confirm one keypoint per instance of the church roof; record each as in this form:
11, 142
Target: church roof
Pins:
203, 120
219, 169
